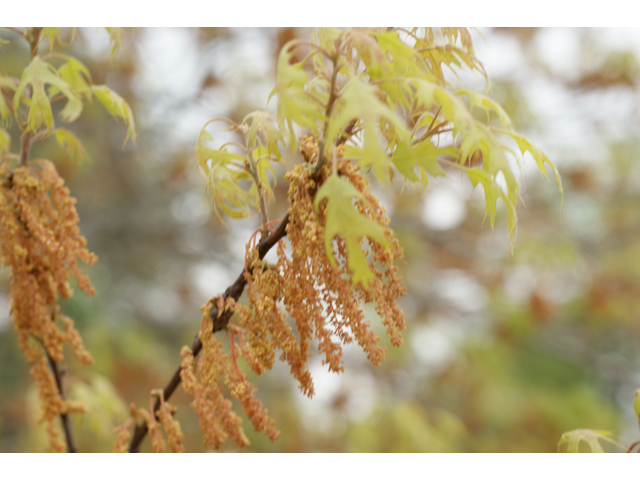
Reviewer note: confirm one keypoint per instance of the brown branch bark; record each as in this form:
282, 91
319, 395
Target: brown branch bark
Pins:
64, 417
219, 323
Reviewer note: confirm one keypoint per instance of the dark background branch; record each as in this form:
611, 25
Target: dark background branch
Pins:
64, 417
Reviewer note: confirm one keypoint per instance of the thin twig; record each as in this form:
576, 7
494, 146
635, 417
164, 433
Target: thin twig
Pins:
64, 417
25, 147
219, 323
17, 30
330, 102
253, 171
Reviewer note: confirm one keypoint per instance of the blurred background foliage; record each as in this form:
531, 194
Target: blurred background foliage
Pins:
502, 353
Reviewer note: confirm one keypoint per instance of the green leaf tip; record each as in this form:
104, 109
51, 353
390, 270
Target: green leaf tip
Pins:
343, 218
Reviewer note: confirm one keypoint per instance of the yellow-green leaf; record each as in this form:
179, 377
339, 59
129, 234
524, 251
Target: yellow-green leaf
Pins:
223, 184
70, 144
485, 103
204, 153
491, 193
538, 155
117, 41
5, 112
38, 74
592, 438
117, 107
76, 75
5, 142
262, 131
407, 157
294, 106
343, 218
53, 34
326, 38
359, 101
453, 109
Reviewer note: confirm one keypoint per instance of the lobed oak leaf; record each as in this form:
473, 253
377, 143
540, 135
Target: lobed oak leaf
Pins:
53, 34
453, 109
5, 113
359, 100
263, 132
493, 191
538, 155
117, 39
343, 218
592, 438
326, 37
223, 184
5, 142
38, 74
486, 104
117, 107
204, 153
70, 144
423, 155
76, 75
294, 106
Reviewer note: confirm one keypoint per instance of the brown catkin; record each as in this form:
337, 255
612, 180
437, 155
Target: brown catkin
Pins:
171, 426
40, 241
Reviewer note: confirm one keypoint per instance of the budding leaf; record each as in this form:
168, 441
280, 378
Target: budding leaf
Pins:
636, 403
592, 438
70, 143
53, 34
359, 100
38, 74
491, 193
538, 155
343, 218
117, 107
5, 113
294, 106
204, 153
407, 157
5, 142
117, 41
76, 75
227, 194
485, 103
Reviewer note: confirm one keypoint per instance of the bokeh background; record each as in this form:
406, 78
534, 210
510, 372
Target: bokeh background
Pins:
502, 352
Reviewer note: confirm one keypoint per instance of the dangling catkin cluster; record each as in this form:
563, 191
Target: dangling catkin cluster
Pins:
40, 241
200, 378
164, 414
319, 297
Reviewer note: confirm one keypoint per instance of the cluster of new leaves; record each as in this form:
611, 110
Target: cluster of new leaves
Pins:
384, 93
28, 100
238, 180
